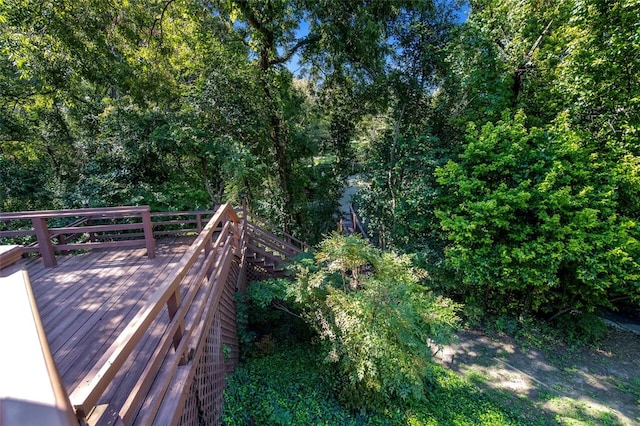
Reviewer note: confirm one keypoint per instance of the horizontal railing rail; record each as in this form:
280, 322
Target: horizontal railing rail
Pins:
190, 296
287, 239
51, 237
30, 385
113, 227
183, 222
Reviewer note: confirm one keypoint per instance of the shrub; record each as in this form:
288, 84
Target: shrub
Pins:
283, 388
290, 387
536, 222
377, 324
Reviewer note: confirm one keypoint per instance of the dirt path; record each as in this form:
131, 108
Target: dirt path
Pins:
575, 386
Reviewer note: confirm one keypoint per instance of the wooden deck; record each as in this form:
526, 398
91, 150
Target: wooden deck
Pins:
88, 299
138, 336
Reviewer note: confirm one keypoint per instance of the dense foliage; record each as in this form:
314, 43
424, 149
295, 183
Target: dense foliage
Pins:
184, 105
535, 221
519, 188
497, 142
500, 149
374, 319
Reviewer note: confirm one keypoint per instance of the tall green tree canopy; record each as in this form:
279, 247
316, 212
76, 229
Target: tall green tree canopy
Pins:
539, 209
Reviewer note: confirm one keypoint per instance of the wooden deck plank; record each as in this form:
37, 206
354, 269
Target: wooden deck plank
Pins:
113, 317
141, 355
99, 321
57, 286
88, 299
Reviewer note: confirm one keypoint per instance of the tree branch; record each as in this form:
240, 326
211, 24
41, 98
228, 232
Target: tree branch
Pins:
302, 42
253, 20
159, 21
524, 65
538, 41
283, 308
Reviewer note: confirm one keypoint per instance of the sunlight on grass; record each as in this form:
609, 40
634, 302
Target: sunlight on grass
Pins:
585, 411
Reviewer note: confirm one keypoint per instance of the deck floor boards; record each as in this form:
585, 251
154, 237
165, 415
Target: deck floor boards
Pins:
88, 299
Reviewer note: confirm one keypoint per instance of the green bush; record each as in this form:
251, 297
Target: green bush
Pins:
536, 221
377, 324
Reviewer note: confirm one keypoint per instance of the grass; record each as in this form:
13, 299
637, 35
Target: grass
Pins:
578, 413
631, 386
291, 386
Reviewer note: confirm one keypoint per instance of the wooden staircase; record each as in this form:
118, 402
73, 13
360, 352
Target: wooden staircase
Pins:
268, 249
350, 224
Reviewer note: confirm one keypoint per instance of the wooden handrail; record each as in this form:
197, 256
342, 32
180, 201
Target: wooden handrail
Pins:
180, 223
44, 234
85, 396
185, 213
269, 240
31, 392
357, 225
94, 212
261, 223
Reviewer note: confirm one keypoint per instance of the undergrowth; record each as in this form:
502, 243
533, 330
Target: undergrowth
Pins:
290, 385
568, 330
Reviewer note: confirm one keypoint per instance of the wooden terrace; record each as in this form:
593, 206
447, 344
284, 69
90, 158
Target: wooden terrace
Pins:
139, 337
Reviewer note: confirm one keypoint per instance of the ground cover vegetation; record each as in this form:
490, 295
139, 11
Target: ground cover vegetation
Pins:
348, 339
498, 152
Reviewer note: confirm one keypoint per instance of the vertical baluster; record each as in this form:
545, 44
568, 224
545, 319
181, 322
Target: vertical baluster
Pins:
172, 307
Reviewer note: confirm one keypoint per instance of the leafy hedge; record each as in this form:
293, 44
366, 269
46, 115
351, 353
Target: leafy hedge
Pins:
538, 220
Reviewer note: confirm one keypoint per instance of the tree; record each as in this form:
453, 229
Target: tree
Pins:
404, 147
346, 47
147, 102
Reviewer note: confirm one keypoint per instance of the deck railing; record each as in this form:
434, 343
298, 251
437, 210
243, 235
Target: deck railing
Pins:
191, 313
282, 240
51, 237
353, 219
190, 296
83, 229
357, 225
174, 223
31, 392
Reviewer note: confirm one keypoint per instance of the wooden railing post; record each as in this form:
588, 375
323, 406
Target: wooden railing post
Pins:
199, 222
92, 235
235, 230
63, 240
148, 233
208, 245
44, 241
